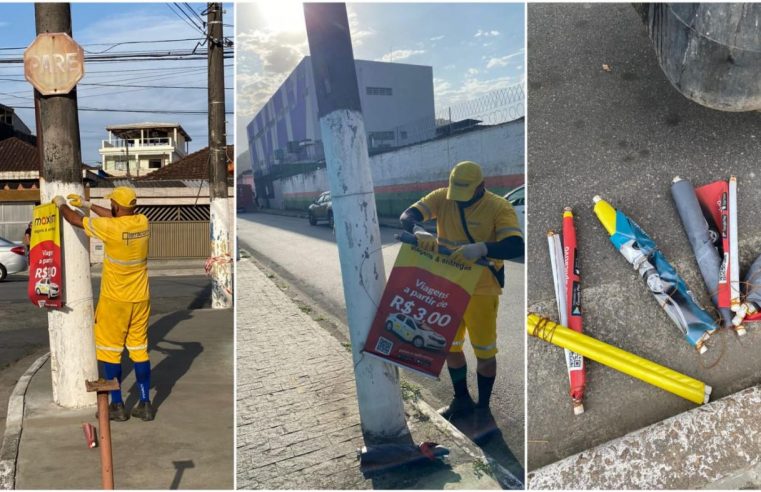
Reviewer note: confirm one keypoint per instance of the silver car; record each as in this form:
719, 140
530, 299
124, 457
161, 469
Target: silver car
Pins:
12, 258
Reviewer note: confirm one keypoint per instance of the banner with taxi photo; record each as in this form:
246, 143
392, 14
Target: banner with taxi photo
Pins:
420, 310
45, 261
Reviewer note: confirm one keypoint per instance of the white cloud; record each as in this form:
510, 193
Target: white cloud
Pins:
358, 33
277, 51
472, 71
441, 86
503, 60
437, 38
481, 33
398, 55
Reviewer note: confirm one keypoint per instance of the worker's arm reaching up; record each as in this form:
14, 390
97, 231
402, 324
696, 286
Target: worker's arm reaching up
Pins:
79, 202
72, 217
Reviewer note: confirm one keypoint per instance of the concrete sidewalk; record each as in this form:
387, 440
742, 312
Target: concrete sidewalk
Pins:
298, 423
190, 443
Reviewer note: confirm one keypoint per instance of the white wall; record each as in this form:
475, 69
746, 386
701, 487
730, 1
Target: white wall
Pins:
499, 150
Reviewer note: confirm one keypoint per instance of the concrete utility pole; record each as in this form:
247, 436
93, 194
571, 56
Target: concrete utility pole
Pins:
356, 220
219, 220
72, 343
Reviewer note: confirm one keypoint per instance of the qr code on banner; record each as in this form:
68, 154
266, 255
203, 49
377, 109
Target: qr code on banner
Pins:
384, 346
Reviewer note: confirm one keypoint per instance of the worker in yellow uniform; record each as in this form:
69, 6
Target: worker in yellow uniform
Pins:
474, 223
124, 305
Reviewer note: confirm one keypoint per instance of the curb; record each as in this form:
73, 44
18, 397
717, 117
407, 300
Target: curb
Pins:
695, 454
502, 475
14, 425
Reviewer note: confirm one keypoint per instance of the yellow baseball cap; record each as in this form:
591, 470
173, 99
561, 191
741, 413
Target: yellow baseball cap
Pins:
463, 181
124, 196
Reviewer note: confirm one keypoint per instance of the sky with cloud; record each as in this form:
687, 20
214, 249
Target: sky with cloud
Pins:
98, 26
473, 48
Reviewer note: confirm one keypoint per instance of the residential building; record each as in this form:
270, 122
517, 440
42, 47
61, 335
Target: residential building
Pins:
12, 126
175, 199
138, 149
397, 106
20, 183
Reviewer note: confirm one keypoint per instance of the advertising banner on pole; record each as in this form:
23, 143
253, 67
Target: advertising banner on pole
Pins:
45, 261
421, 309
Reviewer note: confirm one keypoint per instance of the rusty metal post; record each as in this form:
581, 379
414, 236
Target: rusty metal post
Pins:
102, 387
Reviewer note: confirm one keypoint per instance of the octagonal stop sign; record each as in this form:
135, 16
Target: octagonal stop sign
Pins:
54, 63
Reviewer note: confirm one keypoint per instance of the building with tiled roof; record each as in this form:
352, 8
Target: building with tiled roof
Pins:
192, 167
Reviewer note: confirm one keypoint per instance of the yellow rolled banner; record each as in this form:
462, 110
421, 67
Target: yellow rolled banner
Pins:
635, 366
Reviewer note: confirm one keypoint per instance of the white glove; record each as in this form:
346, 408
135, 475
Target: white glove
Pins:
78, 201
425, 240
59, 201
469, 252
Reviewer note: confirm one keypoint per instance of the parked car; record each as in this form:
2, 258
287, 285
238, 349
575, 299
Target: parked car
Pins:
44, 287
321, 209
517, 199
12, 258
409, 330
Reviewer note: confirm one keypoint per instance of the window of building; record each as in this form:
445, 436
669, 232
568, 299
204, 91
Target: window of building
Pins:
381, 136
379, 91
6, 116
154, 164
403, 134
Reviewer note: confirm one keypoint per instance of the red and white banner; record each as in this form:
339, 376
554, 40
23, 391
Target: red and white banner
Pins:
45, 261
421, 309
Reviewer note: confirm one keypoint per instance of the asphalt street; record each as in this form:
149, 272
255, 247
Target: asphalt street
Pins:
308, 257
23, 326
622, 134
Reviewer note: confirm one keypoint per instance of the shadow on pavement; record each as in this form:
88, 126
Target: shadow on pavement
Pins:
180, 467
437, 475
490, 439
203, 299
497, 448
176, 363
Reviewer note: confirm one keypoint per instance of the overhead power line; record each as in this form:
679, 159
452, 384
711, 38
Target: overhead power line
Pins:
185, 18
136, 56
113, 45
151, 86
149, 111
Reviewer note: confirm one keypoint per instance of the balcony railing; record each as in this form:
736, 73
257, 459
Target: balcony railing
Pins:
139, 143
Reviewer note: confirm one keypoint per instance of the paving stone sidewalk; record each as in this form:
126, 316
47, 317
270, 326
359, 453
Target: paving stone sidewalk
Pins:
298, 421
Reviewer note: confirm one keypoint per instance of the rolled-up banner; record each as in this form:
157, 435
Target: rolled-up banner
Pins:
714, 199
701, 240
659, 275
638, 367
574, 362
734, 253
577, 371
